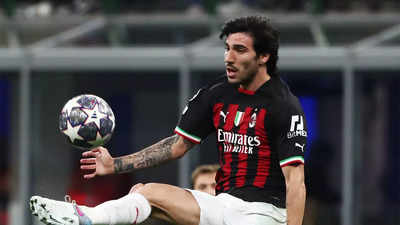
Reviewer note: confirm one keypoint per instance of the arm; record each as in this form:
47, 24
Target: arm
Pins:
295, 193
163, 151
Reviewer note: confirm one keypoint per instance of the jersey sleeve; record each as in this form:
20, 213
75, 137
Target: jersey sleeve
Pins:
195, 123
292, 134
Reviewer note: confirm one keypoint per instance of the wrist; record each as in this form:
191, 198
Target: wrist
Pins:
114, 167
117, 166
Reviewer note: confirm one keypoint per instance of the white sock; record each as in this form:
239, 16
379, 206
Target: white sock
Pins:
130, 209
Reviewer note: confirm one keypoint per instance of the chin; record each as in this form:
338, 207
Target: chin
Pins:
233, 81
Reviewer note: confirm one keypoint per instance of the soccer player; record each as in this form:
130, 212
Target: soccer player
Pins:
261, 135
203, 178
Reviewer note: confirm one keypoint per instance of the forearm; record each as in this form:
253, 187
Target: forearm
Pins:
161, 152
295, 203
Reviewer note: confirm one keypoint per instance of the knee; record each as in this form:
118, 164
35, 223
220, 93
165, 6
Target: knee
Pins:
136, 187
153, 192
147, 189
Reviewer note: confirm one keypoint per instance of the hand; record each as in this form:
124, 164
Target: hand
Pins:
99, 160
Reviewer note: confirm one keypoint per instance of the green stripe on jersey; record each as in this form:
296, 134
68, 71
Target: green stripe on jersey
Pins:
291, 159
238, 118
187, 134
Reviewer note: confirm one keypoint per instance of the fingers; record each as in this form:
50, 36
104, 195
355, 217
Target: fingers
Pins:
91, 153
88, 167
94, 152
89, 176
91, 166
88, 161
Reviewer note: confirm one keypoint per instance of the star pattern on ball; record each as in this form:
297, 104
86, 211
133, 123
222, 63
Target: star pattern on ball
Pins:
72, 132
71, 105
94, 115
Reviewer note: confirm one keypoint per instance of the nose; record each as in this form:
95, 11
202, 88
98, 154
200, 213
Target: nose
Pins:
229, 57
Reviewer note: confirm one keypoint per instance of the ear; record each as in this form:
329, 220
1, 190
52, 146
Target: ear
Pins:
263, 59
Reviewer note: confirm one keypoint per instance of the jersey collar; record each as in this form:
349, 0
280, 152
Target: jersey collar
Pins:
262, 88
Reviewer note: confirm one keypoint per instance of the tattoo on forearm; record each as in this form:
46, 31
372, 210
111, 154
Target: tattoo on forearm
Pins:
148, 157
118, 164
121, 166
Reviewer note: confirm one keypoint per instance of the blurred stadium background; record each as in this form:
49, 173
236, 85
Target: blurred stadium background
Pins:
146, 58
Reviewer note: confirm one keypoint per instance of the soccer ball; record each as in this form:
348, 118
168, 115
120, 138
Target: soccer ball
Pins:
87, 121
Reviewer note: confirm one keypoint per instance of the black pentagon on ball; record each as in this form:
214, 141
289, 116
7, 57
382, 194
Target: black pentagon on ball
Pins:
62, 123
87, 101
77, 116
81, 144
88, 132
106, 126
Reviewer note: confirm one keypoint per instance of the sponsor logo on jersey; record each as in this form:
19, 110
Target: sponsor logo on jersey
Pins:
238, 148
296, 127
240, 143
240, 139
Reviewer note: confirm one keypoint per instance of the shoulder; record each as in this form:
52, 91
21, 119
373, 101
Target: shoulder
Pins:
210, 90
217, 84
287, 100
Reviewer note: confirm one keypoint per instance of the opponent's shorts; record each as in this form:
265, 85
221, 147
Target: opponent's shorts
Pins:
225, 209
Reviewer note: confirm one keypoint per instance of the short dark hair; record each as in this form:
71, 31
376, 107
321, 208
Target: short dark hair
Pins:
265, 37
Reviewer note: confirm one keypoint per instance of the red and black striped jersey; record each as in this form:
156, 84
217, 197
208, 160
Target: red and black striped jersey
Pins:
257, 133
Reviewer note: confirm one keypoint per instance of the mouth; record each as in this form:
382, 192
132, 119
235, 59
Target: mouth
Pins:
231, 72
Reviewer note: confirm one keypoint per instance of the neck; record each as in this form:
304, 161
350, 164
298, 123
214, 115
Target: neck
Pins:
259, 79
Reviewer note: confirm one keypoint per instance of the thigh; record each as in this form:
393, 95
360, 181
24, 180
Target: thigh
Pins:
240, 212
178, 204
211, 208
238, 217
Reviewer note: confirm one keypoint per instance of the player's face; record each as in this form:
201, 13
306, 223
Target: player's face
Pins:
241, 60
206, 183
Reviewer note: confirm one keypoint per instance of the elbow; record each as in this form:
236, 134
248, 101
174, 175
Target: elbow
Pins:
179, 155
178, 150
180, 147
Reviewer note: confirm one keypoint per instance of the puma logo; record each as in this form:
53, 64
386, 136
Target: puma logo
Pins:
221, 113
300, 146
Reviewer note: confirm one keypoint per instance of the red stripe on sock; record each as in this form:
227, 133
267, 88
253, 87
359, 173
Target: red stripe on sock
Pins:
137, 215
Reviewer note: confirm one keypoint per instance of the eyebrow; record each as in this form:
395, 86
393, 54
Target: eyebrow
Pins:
236, 46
